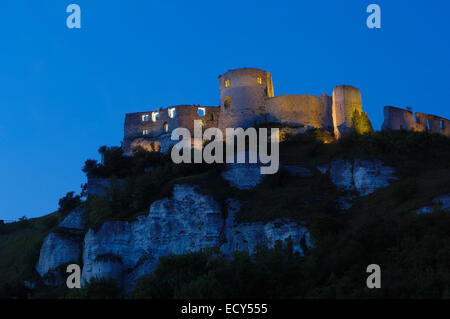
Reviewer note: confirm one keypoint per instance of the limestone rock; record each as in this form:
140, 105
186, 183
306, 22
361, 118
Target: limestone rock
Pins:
341, 174
57, 250
368, 176
364, 176
243, 176
187, 222
74, 220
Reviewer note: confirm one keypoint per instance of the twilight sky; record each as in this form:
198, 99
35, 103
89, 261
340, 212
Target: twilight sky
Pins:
64, 93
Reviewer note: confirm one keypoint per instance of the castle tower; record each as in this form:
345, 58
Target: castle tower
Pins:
242, 97
346, 100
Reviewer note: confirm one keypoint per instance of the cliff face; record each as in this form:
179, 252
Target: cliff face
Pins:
187, 222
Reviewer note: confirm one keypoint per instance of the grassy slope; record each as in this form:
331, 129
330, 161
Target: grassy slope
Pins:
20, 244
422, 161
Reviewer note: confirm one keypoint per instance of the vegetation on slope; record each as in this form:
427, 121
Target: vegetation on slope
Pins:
380, 228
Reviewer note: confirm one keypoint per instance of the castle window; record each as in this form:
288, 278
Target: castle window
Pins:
227, 102
259, 79
429, 124
171, 112
211, 117
201, 111
166, 127
155, 116
227, 83
442, 125
145, 118
145, 132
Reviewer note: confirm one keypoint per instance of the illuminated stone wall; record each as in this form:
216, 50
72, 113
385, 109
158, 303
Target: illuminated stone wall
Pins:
397, 119
247, 99
184, 116
346, 100
433, 123
306, 110
247, 90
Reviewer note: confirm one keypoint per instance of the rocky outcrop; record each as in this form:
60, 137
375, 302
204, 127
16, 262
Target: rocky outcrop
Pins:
243, 176
63, 245
187, 222
57, 250
363, 176
248, 236
74, 220
357, 177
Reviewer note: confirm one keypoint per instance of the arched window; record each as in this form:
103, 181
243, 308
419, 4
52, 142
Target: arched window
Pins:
227, 102
166, 127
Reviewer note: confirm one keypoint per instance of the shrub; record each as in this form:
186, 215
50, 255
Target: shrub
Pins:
68, 203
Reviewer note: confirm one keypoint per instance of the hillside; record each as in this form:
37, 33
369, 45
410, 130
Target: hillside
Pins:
350, 226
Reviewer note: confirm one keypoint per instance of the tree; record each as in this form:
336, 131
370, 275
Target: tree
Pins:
361, 123
68, 203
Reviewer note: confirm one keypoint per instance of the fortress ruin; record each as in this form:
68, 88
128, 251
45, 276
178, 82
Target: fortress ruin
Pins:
247, 99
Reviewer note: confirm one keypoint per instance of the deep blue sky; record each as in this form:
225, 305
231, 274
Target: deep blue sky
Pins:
64, 93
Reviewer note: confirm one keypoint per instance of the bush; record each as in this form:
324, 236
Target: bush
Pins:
68, 203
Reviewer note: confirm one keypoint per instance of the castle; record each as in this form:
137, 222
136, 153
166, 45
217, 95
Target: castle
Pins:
247, 99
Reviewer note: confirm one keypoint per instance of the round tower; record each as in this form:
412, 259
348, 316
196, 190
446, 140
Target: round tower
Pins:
243, 94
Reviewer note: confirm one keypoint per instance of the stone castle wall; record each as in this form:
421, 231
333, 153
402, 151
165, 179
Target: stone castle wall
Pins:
346, 100
247, 99
399, 119
308, 110
141, 130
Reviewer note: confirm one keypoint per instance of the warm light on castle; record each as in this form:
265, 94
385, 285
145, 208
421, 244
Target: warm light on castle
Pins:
247, 99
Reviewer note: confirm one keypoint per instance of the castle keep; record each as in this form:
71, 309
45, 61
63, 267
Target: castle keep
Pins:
247, 99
